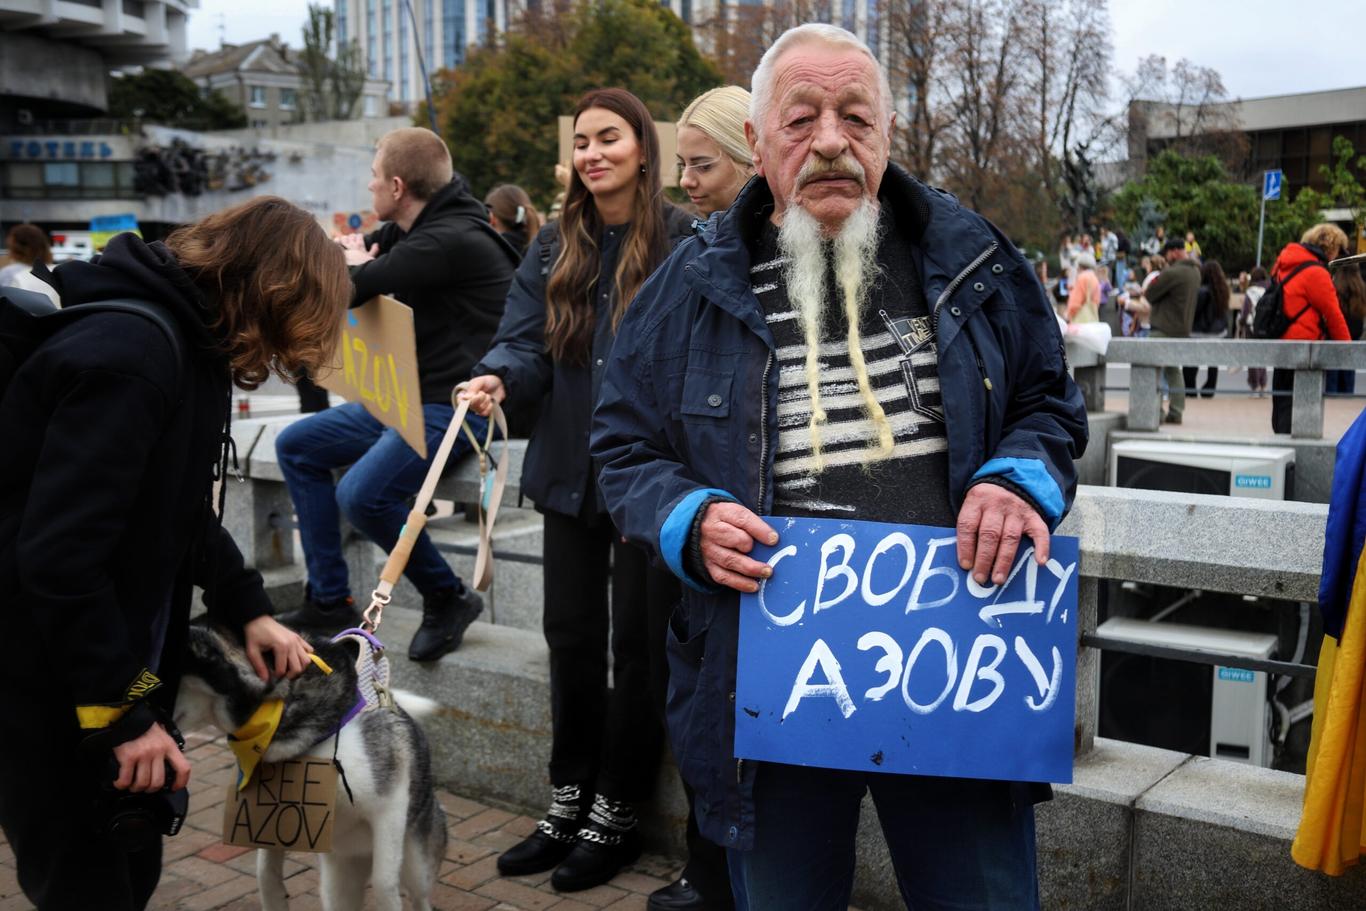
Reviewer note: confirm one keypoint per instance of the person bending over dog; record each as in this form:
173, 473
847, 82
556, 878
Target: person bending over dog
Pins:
116, 429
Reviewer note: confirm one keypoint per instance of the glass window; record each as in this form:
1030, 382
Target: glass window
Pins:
98, 175
371, 106
289, 99
126, 174
258, 96
62, 174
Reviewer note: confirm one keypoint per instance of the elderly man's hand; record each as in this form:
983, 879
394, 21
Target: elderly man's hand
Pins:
728, 533
990, 526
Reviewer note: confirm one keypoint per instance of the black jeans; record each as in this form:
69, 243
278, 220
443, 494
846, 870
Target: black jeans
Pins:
1282, 399
608, 741
46, 794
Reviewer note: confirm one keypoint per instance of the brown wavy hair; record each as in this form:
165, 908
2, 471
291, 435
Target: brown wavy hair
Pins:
28, 244
569, 292
280, 286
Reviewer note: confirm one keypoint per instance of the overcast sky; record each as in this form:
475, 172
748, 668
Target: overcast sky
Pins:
1260, 47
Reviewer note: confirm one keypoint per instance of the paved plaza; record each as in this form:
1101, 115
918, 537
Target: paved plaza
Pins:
199, 873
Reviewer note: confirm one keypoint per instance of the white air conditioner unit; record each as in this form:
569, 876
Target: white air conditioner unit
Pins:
1239, 719
1261, 472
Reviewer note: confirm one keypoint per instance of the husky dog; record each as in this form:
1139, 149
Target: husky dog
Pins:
394, 834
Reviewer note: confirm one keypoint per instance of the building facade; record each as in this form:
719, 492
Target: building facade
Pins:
264, 79
392, 36
1293, 133
55, 55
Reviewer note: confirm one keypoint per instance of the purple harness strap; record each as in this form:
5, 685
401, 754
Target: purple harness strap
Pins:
360, 697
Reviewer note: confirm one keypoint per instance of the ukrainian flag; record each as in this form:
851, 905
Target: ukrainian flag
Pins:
1332, 834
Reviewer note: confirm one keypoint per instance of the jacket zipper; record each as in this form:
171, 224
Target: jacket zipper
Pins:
763, 432
958, 280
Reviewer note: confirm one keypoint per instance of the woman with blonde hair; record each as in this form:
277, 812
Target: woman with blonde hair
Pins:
116, 436
714, 160
1310, 304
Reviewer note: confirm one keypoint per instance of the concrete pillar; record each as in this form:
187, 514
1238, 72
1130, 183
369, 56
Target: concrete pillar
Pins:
247, 511
1145, 399
1088, 667
1091, 381
1307, 421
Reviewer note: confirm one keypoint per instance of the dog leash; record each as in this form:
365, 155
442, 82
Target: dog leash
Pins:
490, 496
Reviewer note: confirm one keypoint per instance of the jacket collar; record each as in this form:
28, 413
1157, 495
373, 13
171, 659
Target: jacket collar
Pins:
950, 243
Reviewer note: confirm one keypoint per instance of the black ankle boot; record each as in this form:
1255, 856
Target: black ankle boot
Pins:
554, 838
329, 617
608, 842
445, 617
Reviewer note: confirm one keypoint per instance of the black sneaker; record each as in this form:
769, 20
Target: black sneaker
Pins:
445, 617
324, 617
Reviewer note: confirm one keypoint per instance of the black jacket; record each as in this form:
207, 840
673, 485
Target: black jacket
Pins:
558, 472
106, 475
453, 269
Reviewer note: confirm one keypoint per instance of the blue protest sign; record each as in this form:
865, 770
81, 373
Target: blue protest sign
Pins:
1271, 184
869, 649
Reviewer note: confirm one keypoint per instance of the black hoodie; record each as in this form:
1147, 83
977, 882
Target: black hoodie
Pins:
454, 270
106, 477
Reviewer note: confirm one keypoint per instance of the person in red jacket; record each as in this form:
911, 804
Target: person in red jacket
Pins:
1310, 303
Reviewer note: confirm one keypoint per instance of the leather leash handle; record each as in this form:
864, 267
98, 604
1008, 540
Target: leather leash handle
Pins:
417, 517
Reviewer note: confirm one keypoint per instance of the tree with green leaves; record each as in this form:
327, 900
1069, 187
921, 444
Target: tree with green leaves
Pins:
1344, 190
173, 99
498, 111
332, 85
1196, 194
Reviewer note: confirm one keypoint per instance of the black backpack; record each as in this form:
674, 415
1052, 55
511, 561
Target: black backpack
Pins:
1269, 319
27, 318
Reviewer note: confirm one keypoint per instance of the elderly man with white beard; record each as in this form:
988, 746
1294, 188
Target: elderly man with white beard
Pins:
844, 342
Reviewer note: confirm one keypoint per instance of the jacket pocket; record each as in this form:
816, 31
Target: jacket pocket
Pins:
691, 727
705, 409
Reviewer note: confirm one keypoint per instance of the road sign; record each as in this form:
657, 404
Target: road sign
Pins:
1271, 184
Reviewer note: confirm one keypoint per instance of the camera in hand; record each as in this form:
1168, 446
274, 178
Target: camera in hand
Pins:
134, 821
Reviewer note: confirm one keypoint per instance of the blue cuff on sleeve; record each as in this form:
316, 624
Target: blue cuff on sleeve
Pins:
1033, 477
673, 536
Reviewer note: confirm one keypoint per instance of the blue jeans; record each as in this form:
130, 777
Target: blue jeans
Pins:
373, 493
955, 843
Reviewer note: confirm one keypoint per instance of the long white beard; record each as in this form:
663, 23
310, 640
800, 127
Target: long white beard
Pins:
853, 253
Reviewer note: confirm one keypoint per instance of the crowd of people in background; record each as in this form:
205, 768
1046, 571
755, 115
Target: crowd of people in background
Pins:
1102, 276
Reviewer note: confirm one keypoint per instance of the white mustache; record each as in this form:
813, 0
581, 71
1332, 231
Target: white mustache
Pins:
844, 166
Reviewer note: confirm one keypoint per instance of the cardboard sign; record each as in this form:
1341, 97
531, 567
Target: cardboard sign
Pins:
377, 366
290, 805
869, 649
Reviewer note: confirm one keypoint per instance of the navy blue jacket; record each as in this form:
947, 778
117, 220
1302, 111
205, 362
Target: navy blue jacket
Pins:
557, 473
688, 410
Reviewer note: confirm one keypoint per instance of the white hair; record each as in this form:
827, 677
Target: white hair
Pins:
853, 254
761, 84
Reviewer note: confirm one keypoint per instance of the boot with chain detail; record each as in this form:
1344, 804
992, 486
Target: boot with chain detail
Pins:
554, 838
606, 843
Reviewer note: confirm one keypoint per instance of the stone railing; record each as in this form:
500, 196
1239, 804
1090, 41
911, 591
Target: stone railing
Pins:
1139, 827
1146, 358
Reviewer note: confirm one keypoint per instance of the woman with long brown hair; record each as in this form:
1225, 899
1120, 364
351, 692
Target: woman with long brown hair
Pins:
1211, 321
116, 430
562, 313
513, 216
